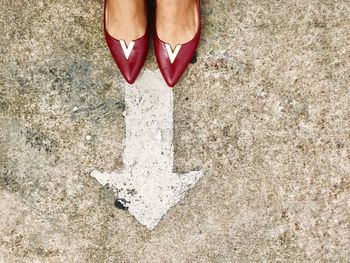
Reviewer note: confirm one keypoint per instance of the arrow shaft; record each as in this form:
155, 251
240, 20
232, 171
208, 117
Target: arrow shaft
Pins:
149, 127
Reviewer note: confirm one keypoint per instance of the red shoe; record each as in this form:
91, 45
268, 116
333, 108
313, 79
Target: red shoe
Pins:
173, 63
129, 59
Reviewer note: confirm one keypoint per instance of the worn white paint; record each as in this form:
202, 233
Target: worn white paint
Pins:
147, 182
172, 54
127, 49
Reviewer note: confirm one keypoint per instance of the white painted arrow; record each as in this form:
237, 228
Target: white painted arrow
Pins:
147, 185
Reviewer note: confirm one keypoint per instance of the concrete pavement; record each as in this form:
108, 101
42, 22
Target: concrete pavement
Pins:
265, 111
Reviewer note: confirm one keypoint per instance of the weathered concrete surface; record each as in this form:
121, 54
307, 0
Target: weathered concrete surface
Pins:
266, 110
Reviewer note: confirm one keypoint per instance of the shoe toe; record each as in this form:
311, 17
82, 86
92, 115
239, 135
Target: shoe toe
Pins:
129, 77
173, 66
170, 77
130, 69
130, 65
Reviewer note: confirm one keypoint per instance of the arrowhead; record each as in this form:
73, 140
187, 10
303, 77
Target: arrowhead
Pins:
148, 200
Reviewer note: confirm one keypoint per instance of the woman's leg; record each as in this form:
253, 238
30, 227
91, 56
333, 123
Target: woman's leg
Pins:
126, 19
177, 20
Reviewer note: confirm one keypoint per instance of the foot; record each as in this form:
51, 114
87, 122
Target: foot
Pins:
177, 21
126, 19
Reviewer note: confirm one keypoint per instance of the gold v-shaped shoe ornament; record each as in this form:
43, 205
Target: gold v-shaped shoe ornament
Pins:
172, 54
127, 49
